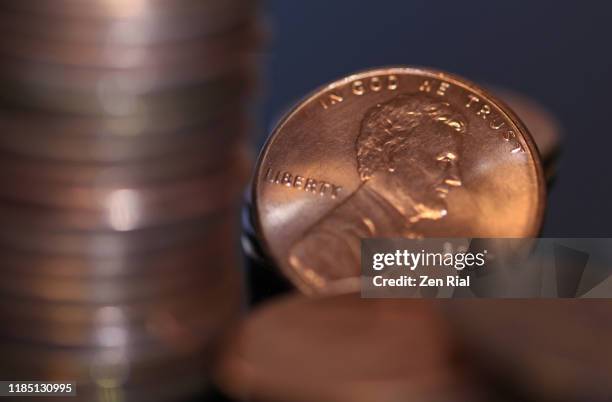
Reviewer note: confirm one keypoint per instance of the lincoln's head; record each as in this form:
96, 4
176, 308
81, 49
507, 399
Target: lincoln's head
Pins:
408, 149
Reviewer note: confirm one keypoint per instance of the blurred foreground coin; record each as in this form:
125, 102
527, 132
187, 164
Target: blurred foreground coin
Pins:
554, 350
343, 348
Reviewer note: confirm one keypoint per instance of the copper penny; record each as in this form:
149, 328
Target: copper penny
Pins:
393, 152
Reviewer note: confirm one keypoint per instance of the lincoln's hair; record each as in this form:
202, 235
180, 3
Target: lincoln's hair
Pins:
386, 127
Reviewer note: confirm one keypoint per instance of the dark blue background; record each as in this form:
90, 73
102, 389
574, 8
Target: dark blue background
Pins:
557, 52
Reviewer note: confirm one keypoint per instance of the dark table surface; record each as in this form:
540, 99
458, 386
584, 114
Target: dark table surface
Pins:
556, 52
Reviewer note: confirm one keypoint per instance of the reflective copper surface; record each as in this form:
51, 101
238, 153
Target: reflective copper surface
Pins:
395, 152
543, 126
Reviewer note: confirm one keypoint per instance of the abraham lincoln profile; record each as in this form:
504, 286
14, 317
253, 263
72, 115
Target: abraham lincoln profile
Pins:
407, 154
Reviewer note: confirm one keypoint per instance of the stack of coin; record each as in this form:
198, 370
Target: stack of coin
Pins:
123, 152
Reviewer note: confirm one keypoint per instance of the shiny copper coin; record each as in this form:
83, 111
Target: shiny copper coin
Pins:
343, 348
552, 350
395, 152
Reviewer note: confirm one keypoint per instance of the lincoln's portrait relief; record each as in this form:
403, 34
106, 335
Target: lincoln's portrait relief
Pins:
407, 152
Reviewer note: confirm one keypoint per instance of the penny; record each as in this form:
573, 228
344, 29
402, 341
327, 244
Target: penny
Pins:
395, 152
544, 128
343, 348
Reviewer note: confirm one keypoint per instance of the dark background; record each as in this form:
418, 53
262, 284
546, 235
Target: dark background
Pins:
556, 52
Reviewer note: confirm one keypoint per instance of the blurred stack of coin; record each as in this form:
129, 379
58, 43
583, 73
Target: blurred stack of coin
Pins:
123, 154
